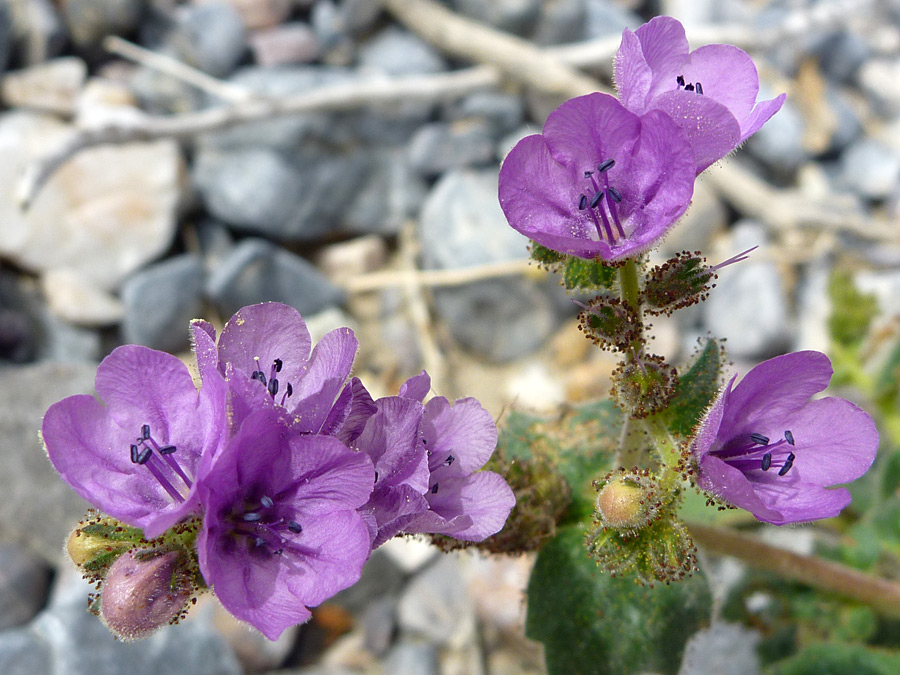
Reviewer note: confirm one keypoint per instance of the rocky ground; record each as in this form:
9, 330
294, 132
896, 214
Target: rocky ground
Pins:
382, 217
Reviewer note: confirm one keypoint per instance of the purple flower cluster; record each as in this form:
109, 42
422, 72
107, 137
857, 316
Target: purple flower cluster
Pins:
608, 177
298, 473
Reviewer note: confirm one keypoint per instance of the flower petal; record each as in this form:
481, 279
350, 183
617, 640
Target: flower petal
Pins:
329, 366
731, 485
416, 387
728, 76
464, 430
711, 129
633, 74
761, 114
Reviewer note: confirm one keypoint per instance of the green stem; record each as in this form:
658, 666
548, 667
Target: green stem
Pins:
880, 594
630, 288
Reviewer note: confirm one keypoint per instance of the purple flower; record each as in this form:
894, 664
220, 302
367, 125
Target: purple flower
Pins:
281, 530
710, 92
264, 353
764, 446
138, 457
600, 180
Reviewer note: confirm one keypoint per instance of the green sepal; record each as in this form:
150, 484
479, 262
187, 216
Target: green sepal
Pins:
695, 392
577, 273
591, 622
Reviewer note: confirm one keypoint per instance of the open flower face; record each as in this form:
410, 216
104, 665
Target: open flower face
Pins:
710, 93
764, 446
281, 530
599, 181
139, 456
264, 352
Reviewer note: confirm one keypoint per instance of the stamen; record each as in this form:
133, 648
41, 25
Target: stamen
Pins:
582, 203
789, 437
434, 489
290, 389
615, 195
689, 87
295, 527
145, 432
167, 449
698, 88
588, 174
766, 461
606, 166
140, 456
252, 517
596, 199
266, 502
273, 387
788, 463
376, 476
449, 460
759, 439
680, 80
279, 364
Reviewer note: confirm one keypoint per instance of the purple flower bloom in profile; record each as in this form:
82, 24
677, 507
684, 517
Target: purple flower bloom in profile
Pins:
599, 181
264, 353
764, 446
138, 458
463, 502
710, 92
281, 530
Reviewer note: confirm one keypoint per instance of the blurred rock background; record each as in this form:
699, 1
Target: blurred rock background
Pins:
383, 218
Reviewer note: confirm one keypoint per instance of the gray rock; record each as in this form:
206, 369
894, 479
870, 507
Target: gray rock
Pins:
389, 195
604, 18
870, 168
359, 16
512, 16
724, 649
462, 225
160, 301
215, 242
502, 112
561, 21
22, 652
293, 42
381, 577
380, 623
208, 36
161, 94
396, 52
90, 21
499, 319
880, 80
259, 271
435, 604
439, 147
412, 658
780, 141
61, 341
6, 34
284, 196
849, 125
24, 582
38, 32
841, 55
38, 508
82, 645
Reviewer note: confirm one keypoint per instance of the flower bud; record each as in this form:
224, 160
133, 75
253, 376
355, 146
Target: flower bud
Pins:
627, 500
143, 591
680, 282
644, 386
610, 323
97, 541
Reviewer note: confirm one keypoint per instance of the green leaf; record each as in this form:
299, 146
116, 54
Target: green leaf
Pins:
839, 659
587, 275
695, 391
851, 310
593, 623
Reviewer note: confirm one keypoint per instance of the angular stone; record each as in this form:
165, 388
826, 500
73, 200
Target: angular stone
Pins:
258, 271
389, 194
39, 508
37, 30
24, 582
724, 649
561, 21
396, 52
780, 141
871, 169
512, 16
160, 301
77, 301
103, 214
288, 43
412, 658
435, 604
5, 36
90, 21
502, 112
258, 13
438, 147
51, 87
210, 37
22, 652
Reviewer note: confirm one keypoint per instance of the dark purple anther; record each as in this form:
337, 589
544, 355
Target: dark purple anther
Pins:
279, 364
167, 449
290, 389
689, 87
787, 465
450, 459
273, 386
698, 88
606, 166
145, 432
295, 527
680, 80
135, 453
143, 456
766, 461
252, 517
596, 199
266, 502
615, 195
582, 203
434, 489
789, 437
759, 439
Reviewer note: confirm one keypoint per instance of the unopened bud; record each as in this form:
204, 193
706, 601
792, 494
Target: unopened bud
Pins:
628, 500
610, 323
144, 591
98, 540
644, 386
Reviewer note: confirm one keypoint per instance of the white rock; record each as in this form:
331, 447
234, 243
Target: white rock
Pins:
52, 86
77, 301
103, 214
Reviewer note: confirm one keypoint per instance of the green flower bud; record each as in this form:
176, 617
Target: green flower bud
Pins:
644, 386
627, 500
98, 541
610, 323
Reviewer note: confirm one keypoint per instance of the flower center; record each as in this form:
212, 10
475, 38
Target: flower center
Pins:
755, 451
265, 525
160, 462
272, 384
607, 208
695, 87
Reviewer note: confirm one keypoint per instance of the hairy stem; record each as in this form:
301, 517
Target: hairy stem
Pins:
880, 594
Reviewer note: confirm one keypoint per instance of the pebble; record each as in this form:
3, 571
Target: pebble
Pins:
359, 16
352, 258
258, 13
705, 218
724, 649
6, 30
38, 32
103, 228
89, 21
71, 298
511, 16
293, 42
412, 658
438, 147
880, 80
39, 508
605, 18
870, 168
160, 300
396, 52
209, 37
24, 582
382, 577
259, 271
435, 605
841, 55
51, 87
379, 620
779, 144
22, 652
561, 21
255, 652
502, 112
